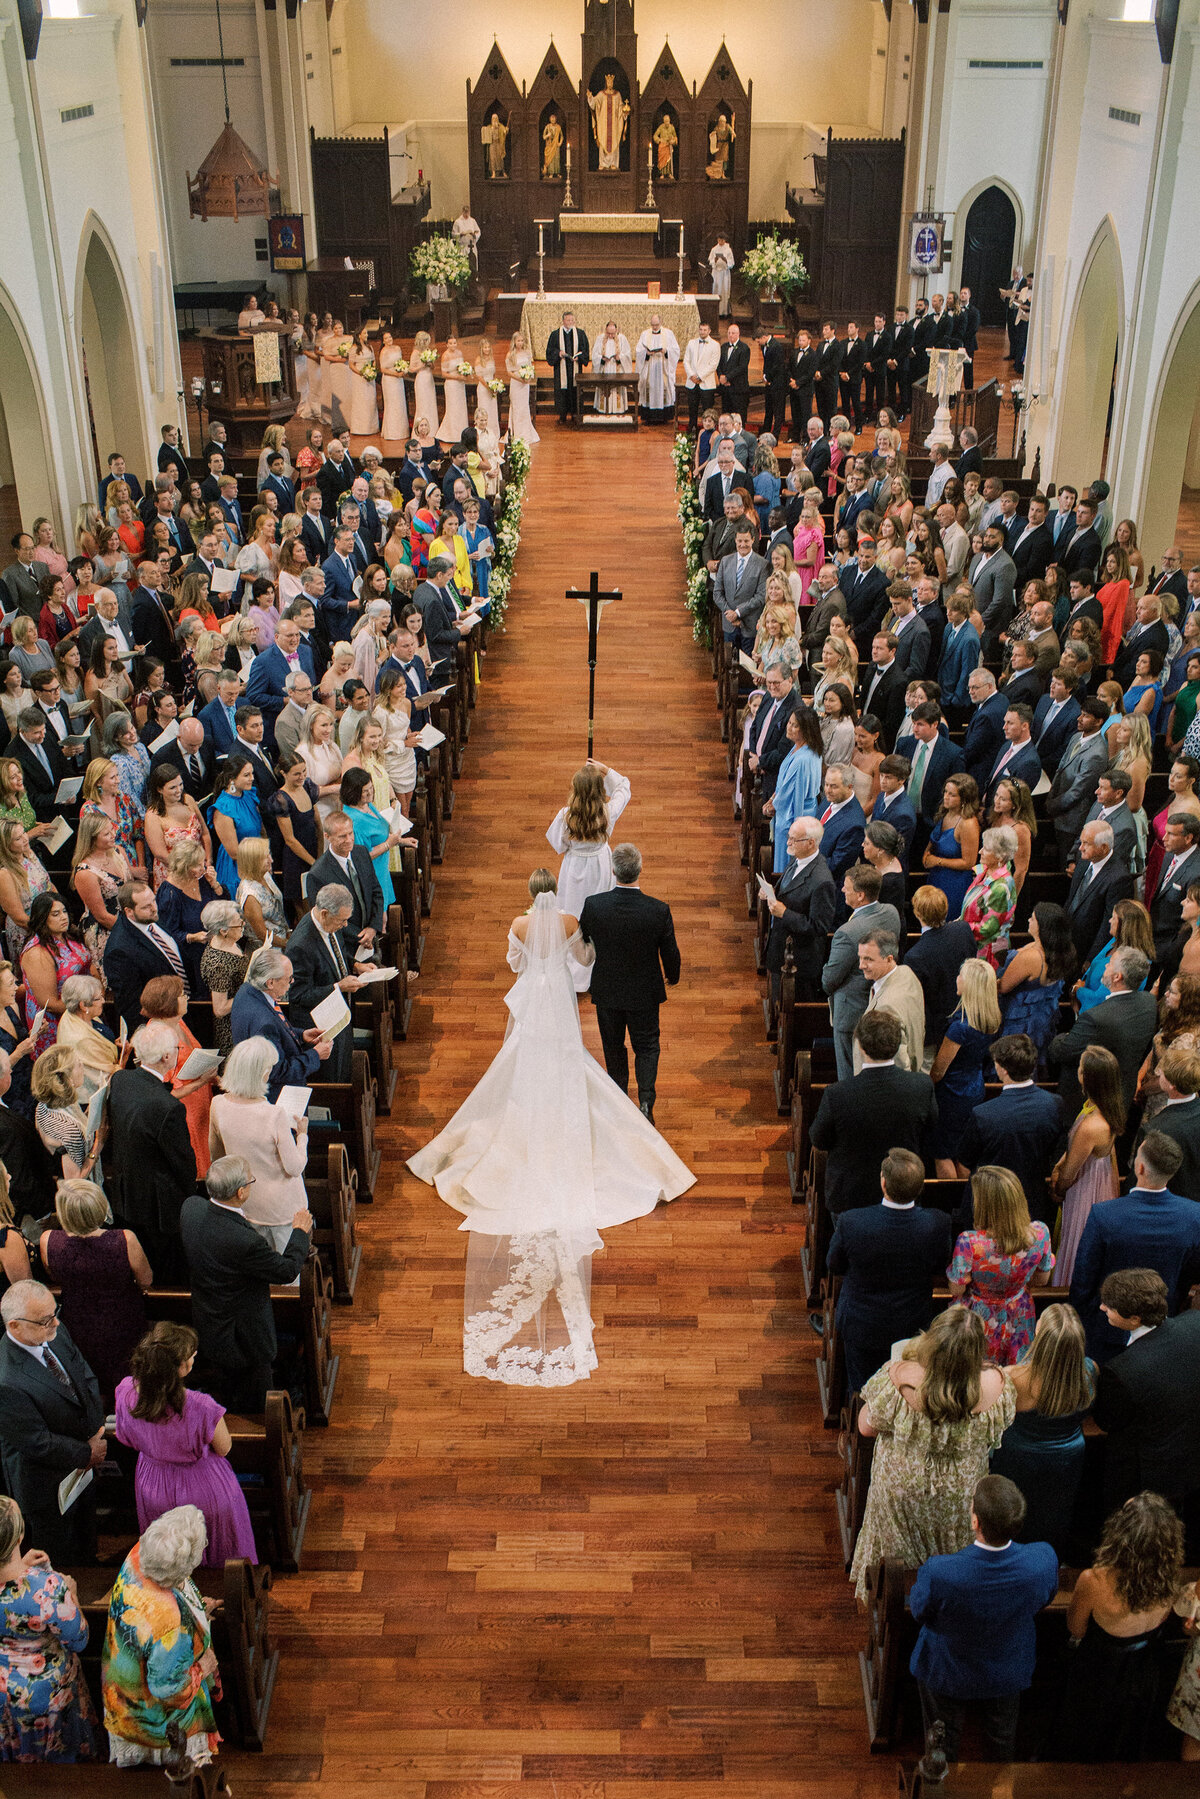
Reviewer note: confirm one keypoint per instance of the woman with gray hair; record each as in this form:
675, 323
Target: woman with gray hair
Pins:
271, 1140
222, 965
159, 1663
82, 1028
991, 899
128, 755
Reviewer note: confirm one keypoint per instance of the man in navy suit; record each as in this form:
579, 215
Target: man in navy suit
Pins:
768, 734
1018, 759
931, 758
865, 588
977, 1610
1054, 719
985, 733
269, 672
935, 958
152, 625
1099, 881
277, 483
1023, 685
1022, 1130
1062, 521
339, 602
890, 1258
219, 717
1148, 1396
959, 658
316, 532
844, 823
370, 525
137, 950
231, 506
1149, 1227
1083, 551
892, 805
257, 1012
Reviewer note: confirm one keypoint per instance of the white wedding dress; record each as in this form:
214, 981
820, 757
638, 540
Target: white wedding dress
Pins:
544, 1154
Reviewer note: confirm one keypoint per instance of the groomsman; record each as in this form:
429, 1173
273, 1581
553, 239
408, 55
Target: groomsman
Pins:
733, 373
970, 334
776, 360
899, 363
829, 365
854, 352
802, 375
879, 348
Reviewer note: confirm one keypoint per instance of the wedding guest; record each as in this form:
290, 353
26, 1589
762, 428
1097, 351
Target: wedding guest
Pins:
50, 957
48, 1715
223, 964
101, 1273
83, 1030
1086, 1174
1042, 1451
165, 1003
958, 1067
181, 902
991, 900
996, 1262
271, 1140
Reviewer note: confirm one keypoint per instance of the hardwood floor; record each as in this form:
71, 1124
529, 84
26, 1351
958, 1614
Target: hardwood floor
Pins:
631, 1584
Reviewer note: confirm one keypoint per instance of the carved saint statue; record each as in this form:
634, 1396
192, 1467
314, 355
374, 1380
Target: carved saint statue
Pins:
610, 115
720, 146
495, 136
552, 138
666, 137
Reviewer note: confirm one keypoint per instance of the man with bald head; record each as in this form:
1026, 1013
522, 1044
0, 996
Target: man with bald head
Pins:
191, 756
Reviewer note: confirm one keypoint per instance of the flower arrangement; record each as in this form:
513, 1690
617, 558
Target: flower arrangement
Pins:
369, 372
527, 372
441, 262
465, 370
495, 387
343, 351
687, 510
774, 265
428, 357
508, 529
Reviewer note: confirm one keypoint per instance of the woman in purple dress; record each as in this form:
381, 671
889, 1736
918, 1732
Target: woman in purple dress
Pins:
102, 1274
182, 1442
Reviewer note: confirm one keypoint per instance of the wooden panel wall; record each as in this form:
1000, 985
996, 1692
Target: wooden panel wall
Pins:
862, 226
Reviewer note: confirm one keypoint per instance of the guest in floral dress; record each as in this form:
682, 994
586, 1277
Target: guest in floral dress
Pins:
98, 872
102, 793
50, 957
995, 1264
22, 878
159, 1667
45, 1714
223, 966
936, 1414
172, 816
991, 899
14, 801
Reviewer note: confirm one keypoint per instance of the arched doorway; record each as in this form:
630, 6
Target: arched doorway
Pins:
989, 238
1171, 474
110, 365
1085, 392
26, 489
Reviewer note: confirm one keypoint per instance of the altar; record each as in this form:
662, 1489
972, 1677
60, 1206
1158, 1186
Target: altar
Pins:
539, 317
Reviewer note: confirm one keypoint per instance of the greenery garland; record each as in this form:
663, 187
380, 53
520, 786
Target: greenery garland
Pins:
508, 529
691, 520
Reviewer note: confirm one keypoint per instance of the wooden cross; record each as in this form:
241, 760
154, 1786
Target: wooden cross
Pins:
595, 600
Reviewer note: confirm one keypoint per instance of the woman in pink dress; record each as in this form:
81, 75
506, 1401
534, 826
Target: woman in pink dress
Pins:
808, 547
1086, 1172
182, 1441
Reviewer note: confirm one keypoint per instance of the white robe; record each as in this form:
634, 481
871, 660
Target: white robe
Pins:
656, 374
609, 356
720, 261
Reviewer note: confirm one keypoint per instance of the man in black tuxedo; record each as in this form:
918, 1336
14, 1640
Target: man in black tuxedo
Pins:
1031, 547
232, 1271
136, 951
42, 762
850, 375
634, 939
768, 734
924, 331
335, 476
776, 359
153, 1163
829, 368
319, 964
899, 363
51, 1423
47, 697
1099, 881
803, 911
866, 591
190, 755
801, 376
1022, 1130
1148, 633
733, 373
890, 1257
882, 1108
1148, 1396
351, 866
567, 351
970, 334
1180, 867
881, 688
879, 347
1123, 1023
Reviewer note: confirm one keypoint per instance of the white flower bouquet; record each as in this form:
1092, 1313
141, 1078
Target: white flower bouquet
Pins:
441, 262
465, 370
495, 387
428, 358
527, 372
774, 265
369, 372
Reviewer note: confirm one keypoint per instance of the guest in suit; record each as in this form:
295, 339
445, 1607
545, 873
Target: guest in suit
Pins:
22, 1152
1148, 1227
137, 950
882, 687
1056, 720
350, 865
1023, 684
1031, 545
1110, 807
959, 657
804, 910
1077, 776
817, 453
1178, 1075
339, 603
932, 759
634, 939
270, 669
726, 480
155, 1168
843, 820
51, 1423
153, 626
841, 978
865, 588
1099, 881
740, 588
276, 482
42, 762
882, 1108
733, 373
1019, 758
1180, 867
1084, 548
985, 732
768, 734
1022, 1130
1124, 1023
219, 717
978, 1642
890, 1257
892, 804
258, 1012
21, 580
335, 476
1148, 633
935, 959
316, 531
444, 625
232, 1270
898, 990
1148, 1393
319, 965
993, 576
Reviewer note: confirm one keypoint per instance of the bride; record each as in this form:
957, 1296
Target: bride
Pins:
542, 1155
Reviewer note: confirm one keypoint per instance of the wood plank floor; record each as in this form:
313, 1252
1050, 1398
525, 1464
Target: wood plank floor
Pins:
631, 1584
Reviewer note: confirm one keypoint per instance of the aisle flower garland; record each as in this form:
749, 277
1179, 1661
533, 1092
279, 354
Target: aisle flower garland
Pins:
508, 529
691, 520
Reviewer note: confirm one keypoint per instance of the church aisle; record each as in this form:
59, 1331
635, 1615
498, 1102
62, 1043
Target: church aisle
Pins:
634, 1580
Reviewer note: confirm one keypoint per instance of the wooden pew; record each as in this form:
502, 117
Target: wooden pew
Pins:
409, 890
800, 1025
352, 1108
332, 1188
851, 1500
373, 1011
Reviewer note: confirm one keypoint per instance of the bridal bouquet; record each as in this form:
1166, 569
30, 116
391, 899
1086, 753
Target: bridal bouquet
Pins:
495, 387
774, 265
429, 357
441, 262
465, 370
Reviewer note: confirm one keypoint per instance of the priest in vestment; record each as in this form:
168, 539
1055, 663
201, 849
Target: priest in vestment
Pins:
611, 356
657, 360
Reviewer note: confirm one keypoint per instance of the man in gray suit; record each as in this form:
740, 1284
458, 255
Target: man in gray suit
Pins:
993, 575
1078, 774
740, 588
1110, 807
841, 976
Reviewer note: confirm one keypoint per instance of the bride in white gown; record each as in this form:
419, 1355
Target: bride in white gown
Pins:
544, 1154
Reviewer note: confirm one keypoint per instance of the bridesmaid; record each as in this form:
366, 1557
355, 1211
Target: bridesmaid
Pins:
425, 405
520, 388
391, 377
485, 400
1086, 1173
364, 408
336, 350
454, 388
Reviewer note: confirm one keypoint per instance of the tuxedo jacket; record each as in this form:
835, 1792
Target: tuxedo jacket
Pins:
1032, 557
637, 956
1148, 1401
804, 370
154, 1164
167, 456
878, 349
829, 365
735, 367
811, 901
776, 363
232, 1271
854, 351
41, 787
858, 1121
44, 1428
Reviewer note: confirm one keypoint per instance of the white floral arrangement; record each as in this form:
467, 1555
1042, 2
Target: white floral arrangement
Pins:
369, 372
527, 372
508, 530
441, 262
343, 351
691, 520
428, 358
495, 387
465, 370
774, 265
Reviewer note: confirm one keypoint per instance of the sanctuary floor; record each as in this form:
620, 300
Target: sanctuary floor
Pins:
633, 1584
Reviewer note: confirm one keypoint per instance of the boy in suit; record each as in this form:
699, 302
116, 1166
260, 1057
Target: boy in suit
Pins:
1146, 1399
634, 939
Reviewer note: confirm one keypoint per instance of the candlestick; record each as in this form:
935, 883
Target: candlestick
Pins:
568, 155
650, 155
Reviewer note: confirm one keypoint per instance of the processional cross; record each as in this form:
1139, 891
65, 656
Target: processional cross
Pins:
594, 600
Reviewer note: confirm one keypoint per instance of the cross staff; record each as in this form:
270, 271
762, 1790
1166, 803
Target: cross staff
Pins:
595, 600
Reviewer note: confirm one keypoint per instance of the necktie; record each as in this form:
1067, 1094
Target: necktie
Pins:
741, 565
355, 884
335, 948
170, 950
40, 753
917, 778
725, 481
762, 736
193, 767
827, 815
55, 1367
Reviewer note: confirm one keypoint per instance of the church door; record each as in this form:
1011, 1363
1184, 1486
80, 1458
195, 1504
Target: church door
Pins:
987, 263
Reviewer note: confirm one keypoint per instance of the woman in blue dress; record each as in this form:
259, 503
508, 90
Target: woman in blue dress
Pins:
1033, 977
1129, 928
798, 783
766, 485
958, 1067
953, 848
1042, 1450
480, 547
371, 829
235, 815
1145, 694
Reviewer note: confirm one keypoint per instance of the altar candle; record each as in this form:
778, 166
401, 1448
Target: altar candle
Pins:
681, 239
568, 156
650, 156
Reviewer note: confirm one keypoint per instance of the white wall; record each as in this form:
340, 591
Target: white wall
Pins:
813, 60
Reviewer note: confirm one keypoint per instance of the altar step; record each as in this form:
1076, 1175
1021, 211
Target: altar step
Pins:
612, 274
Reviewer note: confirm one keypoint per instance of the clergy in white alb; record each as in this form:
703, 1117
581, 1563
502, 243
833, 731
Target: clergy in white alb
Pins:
657, 360
720, 261
465, 233
612, 356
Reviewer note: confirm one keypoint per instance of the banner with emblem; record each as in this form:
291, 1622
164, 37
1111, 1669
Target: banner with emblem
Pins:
926, 240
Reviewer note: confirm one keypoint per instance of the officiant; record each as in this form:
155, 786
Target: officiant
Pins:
612, 356
567, 350
657, 361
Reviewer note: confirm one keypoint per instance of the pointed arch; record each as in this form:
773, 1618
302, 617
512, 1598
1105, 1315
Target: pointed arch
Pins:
1084, 389
26, 421
1171, 438
107, 340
